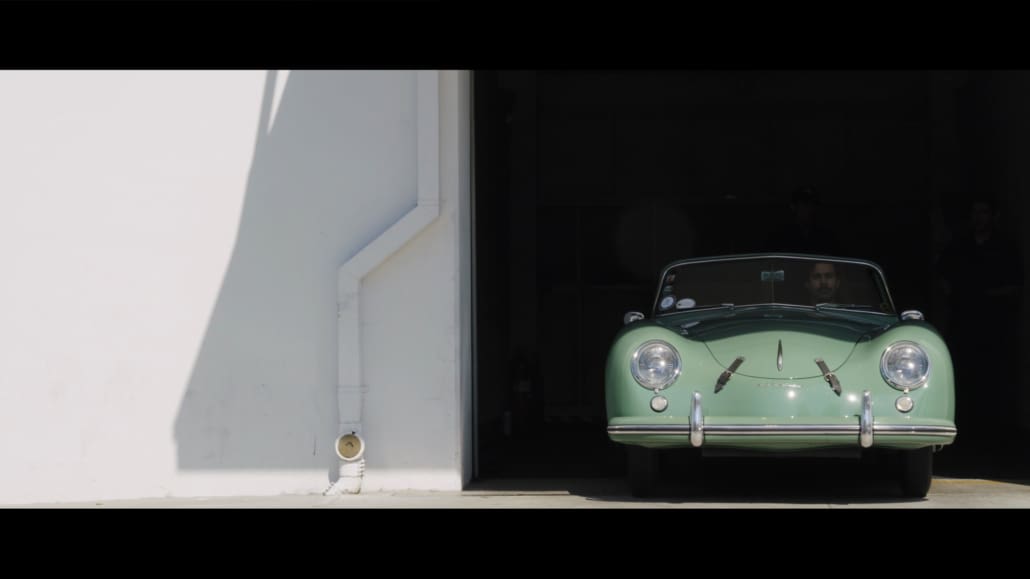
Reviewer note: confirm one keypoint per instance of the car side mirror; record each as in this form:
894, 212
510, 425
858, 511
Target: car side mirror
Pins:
631, 317
912, 315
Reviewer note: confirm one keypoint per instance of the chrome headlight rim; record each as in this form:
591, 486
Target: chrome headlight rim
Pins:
886, 375
635, 369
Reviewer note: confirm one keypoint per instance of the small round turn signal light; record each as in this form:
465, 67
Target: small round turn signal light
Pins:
904, 404
659, 403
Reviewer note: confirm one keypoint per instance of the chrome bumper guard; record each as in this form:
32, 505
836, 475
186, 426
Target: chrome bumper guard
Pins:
865, 421
864, 429
697, 422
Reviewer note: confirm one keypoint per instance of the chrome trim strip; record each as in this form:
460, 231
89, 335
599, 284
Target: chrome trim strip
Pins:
697, 421
781, 429
914, 429
865, 432
649, 429
738, 428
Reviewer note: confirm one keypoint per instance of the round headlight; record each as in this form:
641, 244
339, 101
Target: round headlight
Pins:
905, 365
656, 364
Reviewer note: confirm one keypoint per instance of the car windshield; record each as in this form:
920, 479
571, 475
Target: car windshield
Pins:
802, 281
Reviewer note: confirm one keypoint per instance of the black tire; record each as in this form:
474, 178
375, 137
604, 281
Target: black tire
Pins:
643, 470
916, 472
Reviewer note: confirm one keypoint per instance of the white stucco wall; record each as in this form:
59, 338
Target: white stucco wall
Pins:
168, 308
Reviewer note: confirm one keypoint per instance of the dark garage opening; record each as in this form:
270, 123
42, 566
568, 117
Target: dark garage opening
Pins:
587, 182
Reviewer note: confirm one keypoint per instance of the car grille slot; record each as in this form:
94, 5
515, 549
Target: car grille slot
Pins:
725, 376
830, 377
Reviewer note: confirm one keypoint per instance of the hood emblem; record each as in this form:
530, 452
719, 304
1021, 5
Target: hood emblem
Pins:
779, 356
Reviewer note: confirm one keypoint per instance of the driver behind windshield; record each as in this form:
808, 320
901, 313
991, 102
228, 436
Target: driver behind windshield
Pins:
822, 283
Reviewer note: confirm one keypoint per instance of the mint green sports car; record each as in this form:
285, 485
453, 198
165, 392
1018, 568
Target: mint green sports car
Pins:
780, 354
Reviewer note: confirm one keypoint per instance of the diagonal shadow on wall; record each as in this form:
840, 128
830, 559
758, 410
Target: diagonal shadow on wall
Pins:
333, 166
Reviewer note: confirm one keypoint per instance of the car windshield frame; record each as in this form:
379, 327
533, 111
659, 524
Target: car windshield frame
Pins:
879, 280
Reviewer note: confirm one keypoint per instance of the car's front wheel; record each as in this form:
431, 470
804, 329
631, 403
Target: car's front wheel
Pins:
916, 472
643, 470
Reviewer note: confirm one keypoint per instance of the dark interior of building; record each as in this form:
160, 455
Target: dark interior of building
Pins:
587, 182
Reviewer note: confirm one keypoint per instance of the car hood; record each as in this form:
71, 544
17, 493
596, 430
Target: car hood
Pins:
798, 338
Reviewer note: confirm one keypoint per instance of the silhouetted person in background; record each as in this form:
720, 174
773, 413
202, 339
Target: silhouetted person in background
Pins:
983, 277
808, 233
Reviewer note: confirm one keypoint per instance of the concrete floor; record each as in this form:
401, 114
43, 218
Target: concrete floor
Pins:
972, 474
609, 493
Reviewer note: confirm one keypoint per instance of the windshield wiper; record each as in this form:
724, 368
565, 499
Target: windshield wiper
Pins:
725, 376
708, 307
829, 376
832, 305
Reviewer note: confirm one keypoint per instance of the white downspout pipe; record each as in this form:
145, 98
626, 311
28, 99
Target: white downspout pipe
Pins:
351, 387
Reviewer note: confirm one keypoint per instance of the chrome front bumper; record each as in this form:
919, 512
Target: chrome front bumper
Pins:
864, 431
